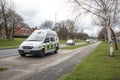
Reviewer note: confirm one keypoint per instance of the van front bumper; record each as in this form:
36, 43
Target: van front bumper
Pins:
30, 52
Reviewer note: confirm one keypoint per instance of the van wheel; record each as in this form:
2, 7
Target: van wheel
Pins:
56, 50
42, 53
23, 54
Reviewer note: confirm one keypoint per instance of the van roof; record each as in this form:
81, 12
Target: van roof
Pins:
47, 31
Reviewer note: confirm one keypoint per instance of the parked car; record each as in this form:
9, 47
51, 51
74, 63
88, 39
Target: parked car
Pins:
88, 40
70, 42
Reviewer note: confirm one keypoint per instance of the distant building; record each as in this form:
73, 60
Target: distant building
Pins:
18, 31
23, 31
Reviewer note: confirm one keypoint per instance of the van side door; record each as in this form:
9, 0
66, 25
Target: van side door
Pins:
47, 44
53, 42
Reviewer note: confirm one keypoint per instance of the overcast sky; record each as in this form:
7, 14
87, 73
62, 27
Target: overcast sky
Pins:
35, 12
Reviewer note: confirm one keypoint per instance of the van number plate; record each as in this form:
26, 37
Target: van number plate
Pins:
26, 50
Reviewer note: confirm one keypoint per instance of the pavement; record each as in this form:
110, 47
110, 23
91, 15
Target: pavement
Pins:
53, 70
54, 73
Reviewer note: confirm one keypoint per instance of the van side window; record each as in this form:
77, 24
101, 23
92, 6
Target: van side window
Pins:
52, 38
56, 38
47, 39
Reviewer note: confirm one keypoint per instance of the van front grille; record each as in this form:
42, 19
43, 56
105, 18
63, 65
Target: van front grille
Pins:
27, 47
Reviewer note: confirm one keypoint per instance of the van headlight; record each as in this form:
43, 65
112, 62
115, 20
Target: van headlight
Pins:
20, 47
40, 47
35, 48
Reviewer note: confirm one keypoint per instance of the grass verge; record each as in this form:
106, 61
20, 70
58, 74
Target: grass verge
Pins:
10, 44
62, 41
97, 66
2, 69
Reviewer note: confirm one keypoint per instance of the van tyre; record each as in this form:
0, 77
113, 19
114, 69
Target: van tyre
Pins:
42, 53
56, 50
23, 54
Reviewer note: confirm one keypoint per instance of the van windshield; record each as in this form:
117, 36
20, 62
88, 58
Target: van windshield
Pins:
35, 37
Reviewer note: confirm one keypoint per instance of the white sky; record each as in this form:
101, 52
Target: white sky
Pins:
35, 12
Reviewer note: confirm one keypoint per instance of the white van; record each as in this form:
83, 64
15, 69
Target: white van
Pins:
39, 43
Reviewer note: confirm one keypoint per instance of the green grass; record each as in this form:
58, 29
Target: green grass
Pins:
11, 44
62, 41
74, 46
97, 66
2, 69
78, 40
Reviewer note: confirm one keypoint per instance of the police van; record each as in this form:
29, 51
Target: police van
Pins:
39, 43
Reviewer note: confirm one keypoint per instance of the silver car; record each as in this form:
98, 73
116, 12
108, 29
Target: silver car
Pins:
70, 42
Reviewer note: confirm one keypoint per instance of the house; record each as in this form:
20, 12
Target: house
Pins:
18, 32
23, 31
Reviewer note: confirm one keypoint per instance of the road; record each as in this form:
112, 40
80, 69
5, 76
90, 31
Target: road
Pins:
50, 67
13, 52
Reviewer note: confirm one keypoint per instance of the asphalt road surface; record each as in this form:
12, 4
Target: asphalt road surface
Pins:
51, 67
13, 52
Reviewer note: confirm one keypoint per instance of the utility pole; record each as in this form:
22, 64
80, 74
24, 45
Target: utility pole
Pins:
55, 19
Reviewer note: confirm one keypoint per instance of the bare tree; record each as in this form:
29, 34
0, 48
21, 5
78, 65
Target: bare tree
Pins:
63, 31
1, 23
107, 11
67, 30
14, 20
9, 19
103, 34
70, 25
3, 7
47, 24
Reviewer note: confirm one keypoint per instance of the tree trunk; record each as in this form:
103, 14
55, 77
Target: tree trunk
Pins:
9, 34
116, 46
13, 34
114, 36
5, 20
0, 33
110, 41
